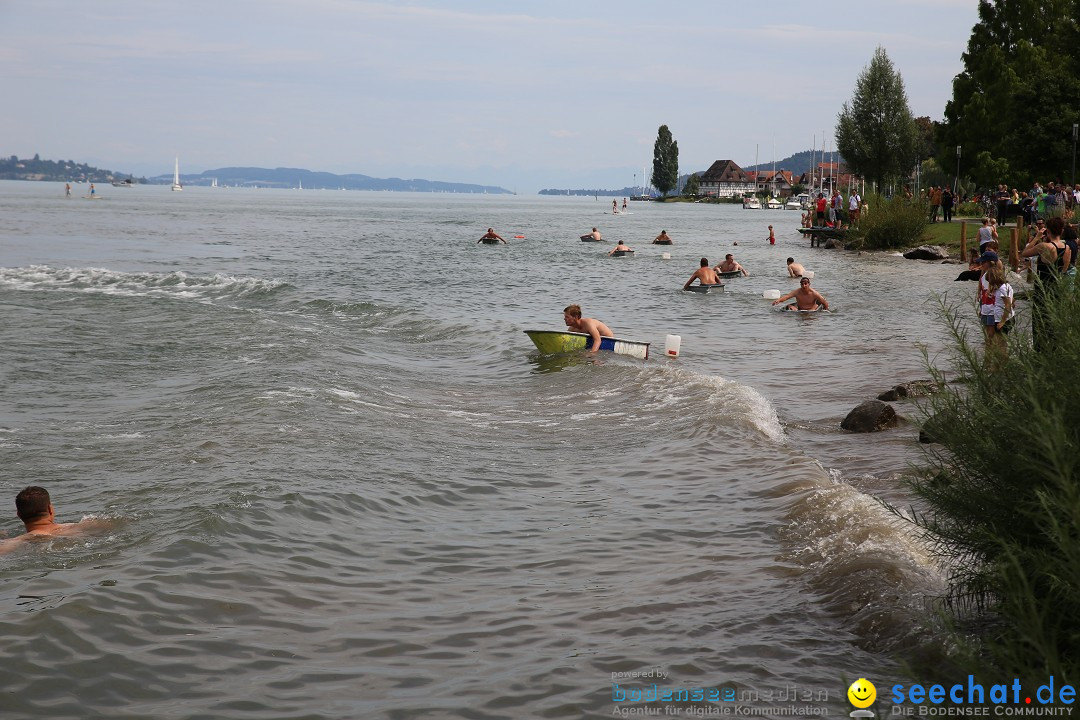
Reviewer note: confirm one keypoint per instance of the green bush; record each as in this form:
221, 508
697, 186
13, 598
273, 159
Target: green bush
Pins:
1002, 494
969, 209
888, 224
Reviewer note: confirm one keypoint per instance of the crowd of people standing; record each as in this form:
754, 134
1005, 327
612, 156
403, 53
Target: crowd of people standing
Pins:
833, 211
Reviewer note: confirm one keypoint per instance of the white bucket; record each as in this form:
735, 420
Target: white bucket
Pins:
672, 344
808, 274
771, 294
665, 256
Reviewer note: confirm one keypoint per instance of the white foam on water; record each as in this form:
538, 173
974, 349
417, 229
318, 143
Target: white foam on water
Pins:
869, 565
102, 281
293, 392
728, 397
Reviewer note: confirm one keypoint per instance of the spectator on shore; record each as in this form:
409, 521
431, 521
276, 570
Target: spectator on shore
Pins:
1001, 293
837, 209
984, 299
974, 271
987, 233
1054, 259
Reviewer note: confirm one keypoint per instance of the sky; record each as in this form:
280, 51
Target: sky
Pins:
548, 94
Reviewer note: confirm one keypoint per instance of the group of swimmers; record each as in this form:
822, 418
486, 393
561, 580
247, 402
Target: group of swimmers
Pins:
708, 276
805, 297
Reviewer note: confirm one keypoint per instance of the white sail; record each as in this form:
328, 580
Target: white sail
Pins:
176, 176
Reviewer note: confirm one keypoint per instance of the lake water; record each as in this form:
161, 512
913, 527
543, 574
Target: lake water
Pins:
342, 483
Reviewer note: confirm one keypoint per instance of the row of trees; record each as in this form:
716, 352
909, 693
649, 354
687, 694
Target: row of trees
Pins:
14, 168
1013, 109
1012, 114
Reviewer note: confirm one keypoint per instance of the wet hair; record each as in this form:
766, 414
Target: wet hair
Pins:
790, 260
594, 229
704, 262
729, 256
573, 310
491, 229
32, 503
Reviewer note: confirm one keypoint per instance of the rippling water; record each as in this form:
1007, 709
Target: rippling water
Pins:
341, 483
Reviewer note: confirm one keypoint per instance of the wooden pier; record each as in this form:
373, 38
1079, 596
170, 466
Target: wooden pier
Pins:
817, 234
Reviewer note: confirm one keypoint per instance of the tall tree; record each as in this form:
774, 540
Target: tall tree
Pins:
693, 185
665, 161
876, 133
1014, 98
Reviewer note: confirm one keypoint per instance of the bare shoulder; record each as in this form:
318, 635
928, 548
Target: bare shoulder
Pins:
11, 544
85, 526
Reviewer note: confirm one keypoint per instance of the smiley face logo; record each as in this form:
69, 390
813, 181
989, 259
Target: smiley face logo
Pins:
862, 693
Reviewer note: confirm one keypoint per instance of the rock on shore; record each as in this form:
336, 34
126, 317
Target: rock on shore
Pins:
927, 252
871, 416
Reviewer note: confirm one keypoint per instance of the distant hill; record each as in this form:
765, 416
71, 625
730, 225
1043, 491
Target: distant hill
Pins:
13, 168
798, 163
313, 180
624, 192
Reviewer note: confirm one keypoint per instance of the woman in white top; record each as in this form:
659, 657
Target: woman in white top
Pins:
987, 233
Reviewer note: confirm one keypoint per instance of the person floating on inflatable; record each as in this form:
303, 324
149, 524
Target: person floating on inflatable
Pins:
806, 298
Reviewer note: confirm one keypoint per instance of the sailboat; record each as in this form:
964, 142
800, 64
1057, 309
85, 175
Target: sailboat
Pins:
645, 194
176, 176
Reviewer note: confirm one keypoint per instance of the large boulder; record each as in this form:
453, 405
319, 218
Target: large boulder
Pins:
871, 416
927, 252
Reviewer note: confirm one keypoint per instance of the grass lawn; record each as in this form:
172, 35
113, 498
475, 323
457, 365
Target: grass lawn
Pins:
948, 235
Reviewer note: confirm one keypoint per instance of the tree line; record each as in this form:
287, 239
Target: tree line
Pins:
14, 168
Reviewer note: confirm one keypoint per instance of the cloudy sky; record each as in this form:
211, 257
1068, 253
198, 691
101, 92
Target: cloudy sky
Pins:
553, 93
